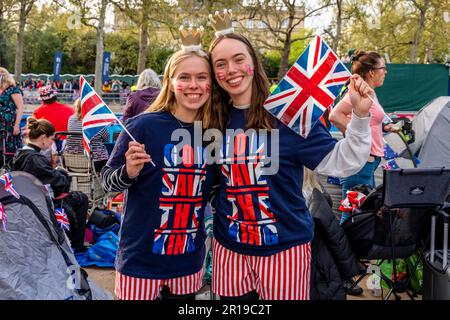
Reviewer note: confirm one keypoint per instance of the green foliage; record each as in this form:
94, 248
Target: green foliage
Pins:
271, 63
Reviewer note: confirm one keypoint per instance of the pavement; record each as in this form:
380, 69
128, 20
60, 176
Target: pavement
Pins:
104, 277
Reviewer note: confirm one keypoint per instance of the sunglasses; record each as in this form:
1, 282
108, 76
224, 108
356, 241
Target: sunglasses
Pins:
379, 68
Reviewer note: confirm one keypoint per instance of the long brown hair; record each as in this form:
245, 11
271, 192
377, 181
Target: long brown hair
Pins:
257, 116
166, 98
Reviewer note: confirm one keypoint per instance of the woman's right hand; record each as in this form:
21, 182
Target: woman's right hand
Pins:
136, 158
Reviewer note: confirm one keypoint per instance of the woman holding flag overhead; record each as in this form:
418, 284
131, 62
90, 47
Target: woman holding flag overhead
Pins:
372, 68
262, 227
161, 248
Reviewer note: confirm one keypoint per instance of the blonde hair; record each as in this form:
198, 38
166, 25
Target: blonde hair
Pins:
166, 98
77, 107
6, 79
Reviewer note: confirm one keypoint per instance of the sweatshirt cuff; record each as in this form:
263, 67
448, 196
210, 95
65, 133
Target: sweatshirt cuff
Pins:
358, 124
124, 176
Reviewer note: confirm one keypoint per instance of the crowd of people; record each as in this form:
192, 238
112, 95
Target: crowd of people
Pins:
262, 225
113, 91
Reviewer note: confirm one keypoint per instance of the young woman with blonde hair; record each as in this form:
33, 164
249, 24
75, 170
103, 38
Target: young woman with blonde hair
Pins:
161, 248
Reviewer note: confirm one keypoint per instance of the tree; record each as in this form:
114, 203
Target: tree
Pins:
422, 7
282, 19
92, 13
5, 17
24, 8
397, 32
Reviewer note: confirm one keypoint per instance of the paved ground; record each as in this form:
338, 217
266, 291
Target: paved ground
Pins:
104, 277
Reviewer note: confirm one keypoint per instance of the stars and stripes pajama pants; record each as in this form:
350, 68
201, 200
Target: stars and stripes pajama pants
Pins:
131, 288
282, 276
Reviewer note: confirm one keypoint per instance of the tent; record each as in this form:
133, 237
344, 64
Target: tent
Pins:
432, 131
36, 260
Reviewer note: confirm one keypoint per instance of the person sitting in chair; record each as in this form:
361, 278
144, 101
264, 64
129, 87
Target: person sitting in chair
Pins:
74, 143
29, 159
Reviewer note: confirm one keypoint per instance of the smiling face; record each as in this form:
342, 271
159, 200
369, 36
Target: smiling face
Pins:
234, 69
191, 85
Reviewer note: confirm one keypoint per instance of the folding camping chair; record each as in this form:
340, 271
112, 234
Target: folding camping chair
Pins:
5, 157
417, 188
83, 174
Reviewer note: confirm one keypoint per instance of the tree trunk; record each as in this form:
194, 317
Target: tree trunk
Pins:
24, 10
337, 36
419, 31
3, 61
100, 48
284, 63
143, 46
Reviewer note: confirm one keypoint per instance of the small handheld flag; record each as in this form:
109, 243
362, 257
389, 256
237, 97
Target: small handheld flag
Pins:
95, 115
8, 185
3, 216
309, 87
62, 219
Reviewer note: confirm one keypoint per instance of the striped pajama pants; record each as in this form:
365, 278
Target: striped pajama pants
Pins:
282, 276
131, 288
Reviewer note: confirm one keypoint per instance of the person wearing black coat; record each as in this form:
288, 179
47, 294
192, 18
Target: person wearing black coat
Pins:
333, 261
29, 159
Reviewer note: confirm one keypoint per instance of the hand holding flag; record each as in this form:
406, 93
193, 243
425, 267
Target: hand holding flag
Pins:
95, 115
360, 95
309, 88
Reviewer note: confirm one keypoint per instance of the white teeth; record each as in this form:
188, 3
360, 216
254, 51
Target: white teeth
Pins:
193, 96
233, 81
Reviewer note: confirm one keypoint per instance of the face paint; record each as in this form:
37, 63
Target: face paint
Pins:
179, 87
220, 76
249, 70
207, 88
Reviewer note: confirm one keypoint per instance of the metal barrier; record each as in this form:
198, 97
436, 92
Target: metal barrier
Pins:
32, 97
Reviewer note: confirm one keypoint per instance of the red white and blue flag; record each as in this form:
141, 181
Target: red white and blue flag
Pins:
62, 219
6, 179
309, 88
95, 114
3, 216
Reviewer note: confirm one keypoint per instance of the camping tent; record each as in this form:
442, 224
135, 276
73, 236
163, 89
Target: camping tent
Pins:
36, 259
432, 134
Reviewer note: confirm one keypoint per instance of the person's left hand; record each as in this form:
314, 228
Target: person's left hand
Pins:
16, 130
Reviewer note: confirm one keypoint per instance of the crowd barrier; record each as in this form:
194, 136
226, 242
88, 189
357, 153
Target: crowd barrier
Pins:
32, 97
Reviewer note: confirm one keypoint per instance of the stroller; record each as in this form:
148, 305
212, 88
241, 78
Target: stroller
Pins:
37, 262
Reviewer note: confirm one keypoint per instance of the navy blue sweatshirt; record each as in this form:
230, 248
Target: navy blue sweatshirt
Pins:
162, 233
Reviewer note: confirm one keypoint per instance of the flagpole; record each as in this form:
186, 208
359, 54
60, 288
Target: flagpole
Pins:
132, 138
117, 119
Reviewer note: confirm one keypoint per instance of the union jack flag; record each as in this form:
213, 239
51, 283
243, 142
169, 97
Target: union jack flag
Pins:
309, 88
391, 165
3, 216
95, 114
62, 219
6, 179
